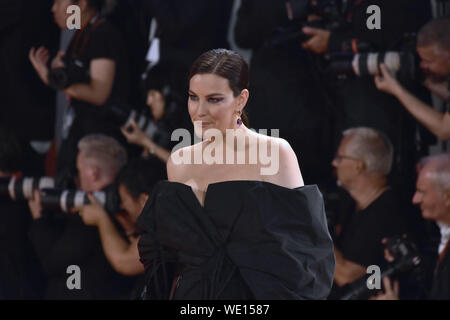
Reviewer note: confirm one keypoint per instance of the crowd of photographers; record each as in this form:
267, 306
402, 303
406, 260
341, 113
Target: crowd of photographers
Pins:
352, 98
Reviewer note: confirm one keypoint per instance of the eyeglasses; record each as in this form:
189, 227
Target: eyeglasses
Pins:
339, 158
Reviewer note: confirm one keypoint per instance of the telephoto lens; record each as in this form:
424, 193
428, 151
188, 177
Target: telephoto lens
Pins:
23, 188
368, 64
66, 200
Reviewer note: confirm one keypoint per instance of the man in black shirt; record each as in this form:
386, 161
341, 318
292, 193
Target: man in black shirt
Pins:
63, 240
363, 161
97, 47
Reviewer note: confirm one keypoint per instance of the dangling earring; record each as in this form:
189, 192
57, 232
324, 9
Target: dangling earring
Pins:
239, 120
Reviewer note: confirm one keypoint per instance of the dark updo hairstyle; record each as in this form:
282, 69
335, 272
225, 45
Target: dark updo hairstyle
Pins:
226, 64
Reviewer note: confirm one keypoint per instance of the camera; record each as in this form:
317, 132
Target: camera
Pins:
23, 188
66, 200
75, 72
297, 12
406, 258
368, 64
123, 116
300, 9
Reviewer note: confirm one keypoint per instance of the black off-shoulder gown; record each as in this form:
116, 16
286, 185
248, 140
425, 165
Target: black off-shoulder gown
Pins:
250, 240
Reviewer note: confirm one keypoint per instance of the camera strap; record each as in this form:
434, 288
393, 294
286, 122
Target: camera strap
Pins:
85, 33
441, 256
346, 5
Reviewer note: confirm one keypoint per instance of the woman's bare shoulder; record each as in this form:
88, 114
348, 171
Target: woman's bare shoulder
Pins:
181, 166
288, 174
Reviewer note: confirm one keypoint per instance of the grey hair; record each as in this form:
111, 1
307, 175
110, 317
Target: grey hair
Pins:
372, 147
439, 169
435, 32
109, 154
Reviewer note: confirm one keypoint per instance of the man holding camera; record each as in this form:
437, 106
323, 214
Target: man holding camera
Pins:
62, 240
433, 197
92, 72
363, 161
433, 46
135, 183
356, 100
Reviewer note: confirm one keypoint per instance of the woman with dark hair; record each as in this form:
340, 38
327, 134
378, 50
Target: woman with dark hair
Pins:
164, 106
233, 230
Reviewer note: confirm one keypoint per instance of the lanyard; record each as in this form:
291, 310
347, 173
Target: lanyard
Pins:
86, 32
441, 256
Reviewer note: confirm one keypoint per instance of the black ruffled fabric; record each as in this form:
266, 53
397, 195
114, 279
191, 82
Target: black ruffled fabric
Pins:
251, 240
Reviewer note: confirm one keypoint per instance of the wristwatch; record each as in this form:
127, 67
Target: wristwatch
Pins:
152, 149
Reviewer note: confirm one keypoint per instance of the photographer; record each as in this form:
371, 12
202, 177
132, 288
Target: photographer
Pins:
433, 46
167, 113
363, 161
356, 100
62, 240
432, 195
135, 181
285, 93
21, 276
92, 73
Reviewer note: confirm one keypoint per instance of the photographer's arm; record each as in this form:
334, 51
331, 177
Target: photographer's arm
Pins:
346, 271
123, 256
435, 121
137, 136
102, 72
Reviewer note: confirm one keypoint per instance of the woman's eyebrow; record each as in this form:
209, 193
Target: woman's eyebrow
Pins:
209, 95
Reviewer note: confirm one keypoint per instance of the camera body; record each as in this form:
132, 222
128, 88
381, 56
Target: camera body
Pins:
406, 258
298, 11
75, 72
301, 9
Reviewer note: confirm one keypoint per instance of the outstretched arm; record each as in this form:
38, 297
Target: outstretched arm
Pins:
123, 256
435, 121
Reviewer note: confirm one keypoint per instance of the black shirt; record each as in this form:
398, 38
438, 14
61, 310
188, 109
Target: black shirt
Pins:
360, 240
101, 40
21, 276
62, 241
97, 41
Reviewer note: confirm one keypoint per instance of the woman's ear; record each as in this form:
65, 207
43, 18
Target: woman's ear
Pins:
243, 98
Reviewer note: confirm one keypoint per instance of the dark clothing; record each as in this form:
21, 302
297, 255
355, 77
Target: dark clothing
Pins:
27, 106
357, 101
99, 40
64, 241
186, 30
269, 242
360, 240
441, 281
21, 276
284, 91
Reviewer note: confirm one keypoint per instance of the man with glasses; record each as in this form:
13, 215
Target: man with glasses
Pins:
362, 162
